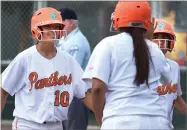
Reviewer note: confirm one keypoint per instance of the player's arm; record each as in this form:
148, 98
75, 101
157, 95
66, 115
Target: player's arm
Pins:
97, 76
13, 79
81, 88
88, 101
181, 105
98, 98
4, 96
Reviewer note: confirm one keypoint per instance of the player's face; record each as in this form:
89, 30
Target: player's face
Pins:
161, 43
49, 31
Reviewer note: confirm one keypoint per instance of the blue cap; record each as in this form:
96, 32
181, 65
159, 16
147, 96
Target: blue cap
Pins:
67, 13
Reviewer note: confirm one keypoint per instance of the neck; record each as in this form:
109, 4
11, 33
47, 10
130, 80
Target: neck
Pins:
73, 28
48, 50
164, 52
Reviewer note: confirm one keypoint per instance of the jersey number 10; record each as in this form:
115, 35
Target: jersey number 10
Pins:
61, 99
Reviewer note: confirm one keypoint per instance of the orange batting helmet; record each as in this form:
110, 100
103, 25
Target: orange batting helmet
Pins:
164, 27
45, 16
131, 14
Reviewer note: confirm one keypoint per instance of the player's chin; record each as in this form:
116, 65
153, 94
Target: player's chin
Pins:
164, 51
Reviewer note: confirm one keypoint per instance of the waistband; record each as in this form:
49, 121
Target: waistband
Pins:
45, 122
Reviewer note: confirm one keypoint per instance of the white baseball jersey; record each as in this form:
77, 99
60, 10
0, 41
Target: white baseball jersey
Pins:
43, 88
112, 62
173, 89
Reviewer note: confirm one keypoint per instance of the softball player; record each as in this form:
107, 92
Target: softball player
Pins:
165, 37
43, 79
124, 71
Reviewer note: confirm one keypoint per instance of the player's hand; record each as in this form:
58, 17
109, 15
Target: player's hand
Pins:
99, 121
150, 31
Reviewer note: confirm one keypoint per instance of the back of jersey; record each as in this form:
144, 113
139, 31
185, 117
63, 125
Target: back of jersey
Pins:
118, 70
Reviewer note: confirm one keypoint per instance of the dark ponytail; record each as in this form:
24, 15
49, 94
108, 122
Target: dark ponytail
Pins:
141, 54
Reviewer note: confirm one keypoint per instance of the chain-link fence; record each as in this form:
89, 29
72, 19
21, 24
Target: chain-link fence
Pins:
94, 22
15, 23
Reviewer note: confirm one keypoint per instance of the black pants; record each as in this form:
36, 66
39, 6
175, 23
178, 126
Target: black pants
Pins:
77, 116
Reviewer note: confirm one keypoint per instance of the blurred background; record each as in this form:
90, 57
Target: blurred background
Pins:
94, 22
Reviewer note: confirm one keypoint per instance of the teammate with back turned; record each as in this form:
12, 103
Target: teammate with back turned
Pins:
125, 70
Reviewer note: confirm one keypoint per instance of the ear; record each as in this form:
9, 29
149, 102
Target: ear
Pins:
71, 23
35, 33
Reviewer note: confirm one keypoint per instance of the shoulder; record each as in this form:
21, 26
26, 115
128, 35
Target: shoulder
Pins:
64, 55
104, 43
154, 49
68, 59
119, 40
24, 55
22, 58
80, 38
105, 46
107, 42
152, 44
172, 63
77, 41
113, 41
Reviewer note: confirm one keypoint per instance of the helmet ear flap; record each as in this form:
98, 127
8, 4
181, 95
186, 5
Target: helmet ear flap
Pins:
172, 42
115, 23
172, 45
113, 20
35, 33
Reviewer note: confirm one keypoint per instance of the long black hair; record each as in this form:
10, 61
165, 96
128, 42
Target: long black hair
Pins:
141, 54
